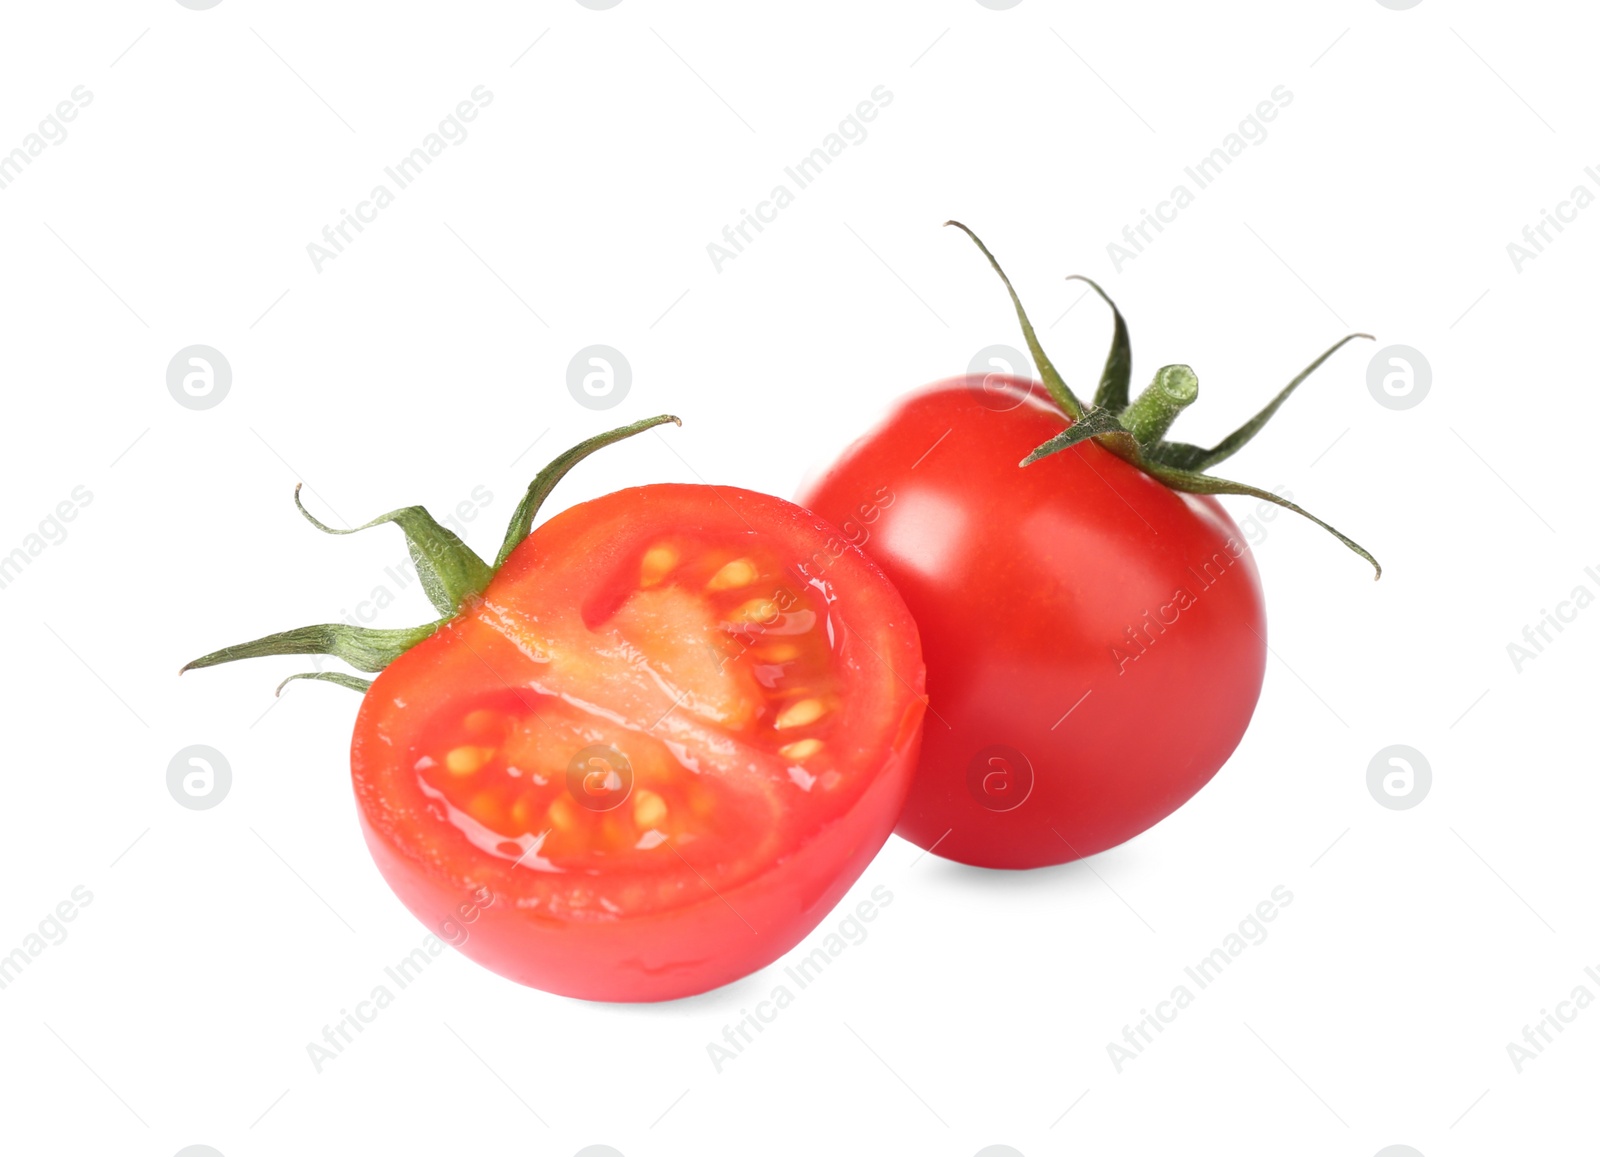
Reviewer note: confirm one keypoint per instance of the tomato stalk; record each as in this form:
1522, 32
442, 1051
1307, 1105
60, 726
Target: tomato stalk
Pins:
1149, 415
451, 573
1136, 431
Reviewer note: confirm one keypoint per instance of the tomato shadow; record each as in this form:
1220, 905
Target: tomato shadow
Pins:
1085, 875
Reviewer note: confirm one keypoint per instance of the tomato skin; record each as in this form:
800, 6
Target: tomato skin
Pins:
665, 955
492, 908
1076, 612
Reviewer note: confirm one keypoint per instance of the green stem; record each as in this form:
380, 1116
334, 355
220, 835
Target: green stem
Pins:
545, 481
1149, 415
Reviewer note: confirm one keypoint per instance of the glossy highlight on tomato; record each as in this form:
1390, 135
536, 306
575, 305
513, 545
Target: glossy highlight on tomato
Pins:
673, 730
1095, 640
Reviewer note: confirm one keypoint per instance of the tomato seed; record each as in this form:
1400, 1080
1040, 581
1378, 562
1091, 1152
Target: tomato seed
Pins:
649, 809
657, 563
800, 714
741, 572
467, 759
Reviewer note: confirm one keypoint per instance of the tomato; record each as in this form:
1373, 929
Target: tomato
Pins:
653, 751
1095, 641
1092, 622
766, 745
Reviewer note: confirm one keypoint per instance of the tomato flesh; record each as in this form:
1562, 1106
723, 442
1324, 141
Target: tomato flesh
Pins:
1095, 641
671, 733
500, 769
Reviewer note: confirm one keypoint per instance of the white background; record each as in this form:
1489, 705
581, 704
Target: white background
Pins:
426, 358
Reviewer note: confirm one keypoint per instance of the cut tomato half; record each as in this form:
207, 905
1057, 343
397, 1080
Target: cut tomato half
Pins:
642, 753
667, 737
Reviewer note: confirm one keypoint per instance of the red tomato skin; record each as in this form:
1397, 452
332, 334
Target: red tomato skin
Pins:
480, 904
1025, 584
669, 954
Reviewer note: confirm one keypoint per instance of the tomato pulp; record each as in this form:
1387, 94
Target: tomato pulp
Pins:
1095, 641
656, 751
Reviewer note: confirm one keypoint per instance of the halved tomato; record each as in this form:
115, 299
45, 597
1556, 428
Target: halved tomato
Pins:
653, 751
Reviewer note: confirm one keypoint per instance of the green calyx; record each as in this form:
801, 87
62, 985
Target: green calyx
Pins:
1136, 430
450, 571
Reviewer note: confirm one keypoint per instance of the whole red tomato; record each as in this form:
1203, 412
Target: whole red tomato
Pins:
644, 753
1092, 623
